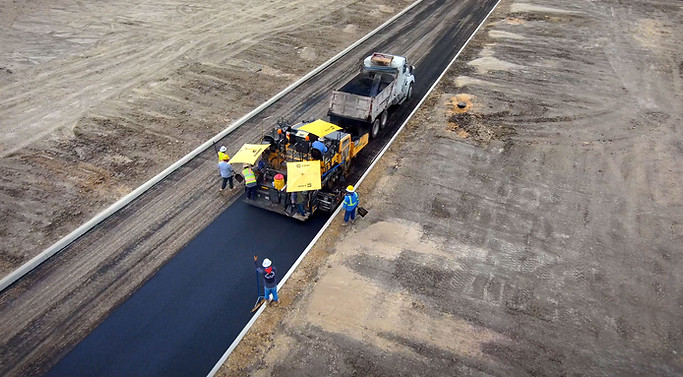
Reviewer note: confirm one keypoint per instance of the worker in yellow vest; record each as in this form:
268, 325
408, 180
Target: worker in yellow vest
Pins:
350, 203
223, 154
249, 182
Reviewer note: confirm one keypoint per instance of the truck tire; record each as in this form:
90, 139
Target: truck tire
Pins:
409, 94
374, 129
383, 119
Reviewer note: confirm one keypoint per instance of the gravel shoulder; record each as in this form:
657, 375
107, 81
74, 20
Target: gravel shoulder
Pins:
535, 232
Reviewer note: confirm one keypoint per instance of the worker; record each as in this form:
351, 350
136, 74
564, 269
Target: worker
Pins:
249, 182
319, 145
318, 150
350, 204
269, 278
222, 154
226, 172
298, 198
260, 166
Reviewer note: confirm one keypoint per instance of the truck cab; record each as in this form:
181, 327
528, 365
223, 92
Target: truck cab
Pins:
399, 68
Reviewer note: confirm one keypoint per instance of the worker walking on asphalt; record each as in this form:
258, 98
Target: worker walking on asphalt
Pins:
350, 204
269, 278
249, 182
226, 172
223, 154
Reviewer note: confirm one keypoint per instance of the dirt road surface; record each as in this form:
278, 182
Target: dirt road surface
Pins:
535, 232
97, 98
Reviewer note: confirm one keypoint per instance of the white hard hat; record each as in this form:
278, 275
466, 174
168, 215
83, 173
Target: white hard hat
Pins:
223, 149
266, 263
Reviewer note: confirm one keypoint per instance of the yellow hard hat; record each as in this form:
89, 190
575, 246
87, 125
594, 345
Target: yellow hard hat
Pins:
350, 188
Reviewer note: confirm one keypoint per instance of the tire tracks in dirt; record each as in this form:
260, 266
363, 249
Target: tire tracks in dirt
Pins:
123, 64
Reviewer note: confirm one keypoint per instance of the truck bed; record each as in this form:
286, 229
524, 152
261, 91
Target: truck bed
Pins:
368, 84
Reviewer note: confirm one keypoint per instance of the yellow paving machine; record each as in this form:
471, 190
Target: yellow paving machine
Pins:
302, 168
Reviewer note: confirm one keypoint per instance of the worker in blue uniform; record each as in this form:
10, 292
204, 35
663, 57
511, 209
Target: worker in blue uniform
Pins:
350, 204
320, 146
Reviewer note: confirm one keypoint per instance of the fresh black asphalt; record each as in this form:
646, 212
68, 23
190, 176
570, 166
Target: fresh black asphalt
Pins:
183, 319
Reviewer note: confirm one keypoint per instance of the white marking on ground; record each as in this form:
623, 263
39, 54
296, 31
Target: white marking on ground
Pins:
497, 34
489, 63
531, 8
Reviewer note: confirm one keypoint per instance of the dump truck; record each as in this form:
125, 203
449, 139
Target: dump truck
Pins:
287, 164
362, 104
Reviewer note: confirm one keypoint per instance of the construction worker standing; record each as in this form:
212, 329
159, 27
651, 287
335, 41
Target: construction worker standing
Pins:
222, 154
350, 204
299, 198
226, 172
249, 182
320, 145
269, 278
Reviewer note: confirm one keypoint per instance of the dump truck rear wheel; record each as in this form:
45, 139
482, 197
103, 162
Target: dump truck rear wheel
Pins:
383, 119
375, 128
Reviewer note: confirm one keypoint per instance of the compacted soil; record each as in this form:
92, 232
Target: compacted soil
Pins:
535, 230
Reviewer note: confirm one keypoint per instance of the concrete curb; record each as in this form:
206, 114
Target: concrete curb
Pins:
71, 237
334, 215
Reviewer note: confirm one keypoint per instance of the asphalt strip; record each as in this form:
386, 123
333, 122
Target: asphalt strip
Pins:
176, 305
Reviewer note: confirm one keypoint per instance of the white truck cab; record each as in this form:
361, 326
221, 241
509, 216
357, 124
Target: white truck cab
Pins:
404, 78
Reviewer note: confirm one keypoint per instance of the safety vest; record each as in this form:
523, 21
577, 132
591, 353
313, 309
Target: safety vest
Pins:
351, 201
223, 156
249, 176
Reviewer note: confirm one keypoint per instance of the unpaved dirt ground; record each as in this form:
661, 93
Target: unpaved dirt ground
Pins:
535, 232
97, 98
